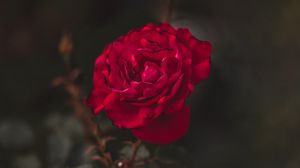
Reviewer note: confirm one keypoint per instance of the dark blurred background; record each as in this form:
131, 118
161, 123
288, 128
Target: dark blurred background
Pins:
246, 115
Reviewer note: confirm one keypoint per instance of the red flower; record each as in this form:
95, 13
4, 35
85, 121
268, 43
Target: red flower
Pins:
144, 77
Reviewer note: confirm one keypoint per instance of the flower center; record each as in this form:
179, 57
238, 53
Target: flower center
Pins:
151, 72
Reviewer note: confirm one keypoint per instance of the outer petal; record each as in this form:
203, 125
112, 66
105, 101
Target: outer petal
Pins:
148, 27
98, 93
125, 115
95, 101
201, 50
200, 71
184, 34
166, 27
166, 128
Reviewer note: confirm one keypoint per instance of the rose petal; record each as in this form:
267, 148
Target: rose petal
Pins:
170, 65
166, 128
98, 93
156, 55
155, 38
156, 88
201, 50
95, 101
125, 115
200, 71
128, 93
146, 101
140, 86
166, 28
184, 34
172, 107
148, 27
151, 72
173, 91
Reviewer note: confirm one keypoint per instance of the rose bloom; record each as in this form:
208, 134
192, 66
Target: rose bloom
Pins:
142, 79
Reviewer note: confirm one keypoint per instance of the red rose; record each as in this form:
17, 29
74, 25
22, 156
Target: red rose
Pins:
144, 77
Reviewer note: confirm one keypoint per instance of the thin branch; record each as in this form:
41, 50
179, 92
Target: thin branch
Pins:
135, 149
166, 10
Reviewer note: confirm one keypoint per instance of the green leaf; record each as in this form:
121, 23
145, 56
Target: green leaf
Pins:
104, 123
127, 152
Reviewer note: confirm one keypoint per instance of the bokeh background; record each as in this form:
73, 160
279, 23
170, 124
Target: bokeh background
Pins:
246, 115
